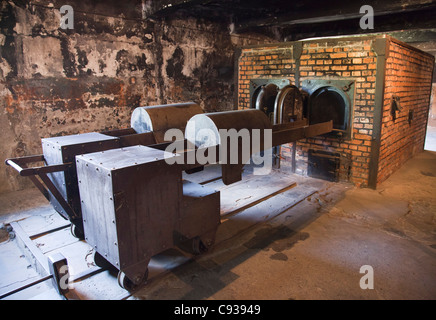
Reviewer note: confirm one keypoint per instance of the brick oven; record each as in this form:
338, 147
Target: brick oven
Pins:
376, 90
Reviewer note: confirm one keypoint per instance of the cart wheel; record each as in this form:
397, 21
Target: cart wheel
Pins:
77, 232
193, 246
198, 246
101, 262
128, 284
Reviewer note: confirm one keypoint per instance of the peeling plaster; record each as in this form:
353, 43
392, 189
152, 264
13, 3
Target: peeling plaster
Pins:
48, 61
57, 82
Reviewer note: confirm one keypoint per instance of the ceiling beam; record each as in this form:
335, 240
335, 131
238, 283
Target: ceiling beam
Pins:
331, 14
163, 8
425, 19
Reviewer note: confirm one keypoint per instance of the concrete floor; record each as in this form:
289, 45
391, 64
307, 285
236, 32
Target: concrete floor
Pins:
315, 249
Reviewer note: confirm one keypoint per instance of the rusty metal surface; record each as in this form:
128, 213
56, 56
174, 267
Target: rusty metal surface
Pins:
119, 132
130, 205
331, 99
145, 139
203, 129
135, 205
281, 101
288, 106
293, 134
200, 212
158, 119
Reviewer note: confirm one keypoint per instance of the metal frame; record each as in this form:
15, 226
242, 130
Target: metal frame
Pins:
45, 185
381, 49
206, 224
345, 87
281, 134
284, 87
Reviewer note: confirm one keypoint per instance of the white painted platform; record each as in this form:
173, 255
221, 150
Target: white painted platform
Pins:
254, 200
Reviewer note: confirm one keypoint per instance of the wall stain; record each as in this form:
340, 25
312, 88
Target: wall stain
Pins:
278, 239
82, 61
428, 174
279, 256
92, 77
8, 49
68, 59
175, 65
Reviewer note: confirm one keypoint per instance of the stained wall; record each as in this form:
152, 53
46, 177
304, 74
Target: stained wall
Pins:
90, 78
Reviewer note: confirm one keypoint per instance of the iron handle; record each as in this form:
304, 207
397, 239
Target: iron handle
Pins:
18, 164
46, 185
14, 165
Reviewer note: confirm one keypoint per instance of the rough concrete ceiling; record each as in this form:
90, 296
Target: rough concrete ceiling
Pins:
286, 20
293, 20
283, 19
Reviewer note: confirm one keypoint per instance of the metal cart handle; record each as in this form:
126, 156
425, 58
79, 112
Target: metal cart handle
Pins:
20, 164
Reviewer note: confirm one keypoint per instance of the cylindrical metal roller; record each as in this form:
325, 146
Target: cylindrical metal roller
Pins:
204, 129
159, 119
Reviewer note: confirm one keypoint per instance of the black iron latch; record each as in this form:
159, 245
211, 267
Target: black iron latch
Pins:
395, 106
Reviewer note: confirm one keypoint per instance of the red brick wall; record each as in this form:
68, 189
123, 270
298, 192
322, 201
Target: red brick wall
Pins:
355, 59
408, 76
322, 59
266, 62
352, 59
